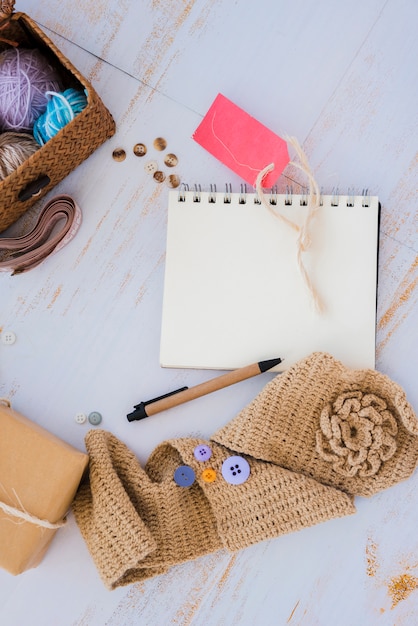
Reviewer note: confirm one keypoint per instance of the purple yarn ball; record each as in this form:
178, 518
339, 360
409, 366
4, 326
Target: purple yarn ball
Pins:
25, 77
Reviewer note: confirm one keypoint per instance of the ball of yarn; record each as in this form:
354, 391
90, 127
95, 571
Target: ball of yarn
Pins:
25, 77
15, 149
61, 109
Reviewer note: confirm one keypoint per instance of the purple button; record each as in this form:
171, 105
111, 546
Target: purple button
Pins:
235, 470
202, 452
184, 476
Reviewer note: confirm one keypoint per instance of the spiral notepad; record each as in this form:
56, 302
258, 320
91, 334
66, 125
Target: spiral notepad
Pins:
233, 292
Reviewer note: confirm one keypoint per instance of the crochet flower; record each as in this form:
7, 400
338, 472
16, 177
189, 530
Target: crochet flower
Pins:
357, 434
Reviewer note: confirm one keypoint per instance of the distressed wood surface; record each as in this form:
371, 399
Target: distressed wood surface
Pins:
342, 78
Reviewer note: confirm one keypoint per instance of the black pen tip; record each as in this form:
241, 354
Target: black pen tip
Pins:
269, 364
139, 413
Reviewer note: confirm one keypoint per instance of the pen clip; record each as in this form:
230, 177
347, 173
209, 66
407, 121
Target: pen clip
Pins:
166, 395
140, 412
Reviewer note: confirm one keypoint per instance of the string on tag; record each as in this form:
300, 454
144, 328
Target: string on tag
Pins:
303, 241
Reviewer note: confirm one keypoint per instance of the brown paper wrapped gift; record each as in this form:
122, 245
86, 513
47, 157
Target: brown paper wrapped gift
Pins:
39, 475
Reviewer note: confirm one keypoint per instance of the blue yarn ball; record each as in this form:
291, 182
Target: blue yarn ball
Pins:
60, 110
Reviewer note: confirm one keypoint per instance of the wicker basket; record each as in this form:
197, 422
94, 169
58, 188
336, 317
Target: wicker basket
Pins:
70, 146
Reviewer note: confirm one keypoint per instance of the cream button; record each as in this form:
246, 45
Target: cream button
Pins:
150, 167
8, 337
80, 418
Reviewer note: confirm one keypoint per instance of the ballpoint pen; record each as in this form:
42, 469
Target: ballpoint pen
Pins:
179, 396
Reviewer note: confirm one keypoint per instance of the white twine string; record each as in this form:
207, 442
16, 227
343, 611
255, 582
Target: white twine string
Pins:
303, 240
26, 517
21, 513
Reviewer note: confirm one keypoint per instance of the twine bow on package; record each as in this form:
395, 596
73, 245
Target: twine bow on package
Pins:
315, 437
51, 118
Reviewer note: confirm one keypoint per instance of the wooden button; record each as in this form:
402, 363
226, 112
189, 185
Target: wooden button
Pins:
173, 181
159, 176
171, 160
160, 144
140, 149
119, 154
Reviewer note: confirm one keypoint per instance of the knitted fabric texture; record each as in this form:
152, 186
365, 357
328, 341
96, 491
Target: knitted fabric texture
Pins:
352, 429
138, 522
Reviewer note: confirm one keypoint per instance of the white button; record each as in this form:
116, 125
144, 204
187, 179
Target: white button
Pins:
150, 167
235, 470
80, 418
8, 337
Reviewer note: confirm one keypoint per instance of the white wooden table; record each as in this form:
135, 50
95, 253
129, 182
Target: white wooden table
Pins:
342, 78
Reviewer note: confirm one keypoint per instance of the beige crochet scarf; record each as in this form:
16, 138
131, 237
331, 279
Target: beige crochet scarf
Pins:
312, 439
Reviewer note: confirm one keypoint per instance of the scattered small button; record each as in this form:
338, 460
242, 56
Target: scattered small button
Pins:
140, 149
150, 167
160, 144
202, 452
95, 418
119, 154
8, 337
209, 475
80, 418
159, 176
235, 470
173, 181
184, 476
171, 160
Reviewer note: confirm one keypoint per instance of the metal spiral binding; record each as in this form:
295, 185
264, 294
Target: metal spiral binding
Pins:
273, 200
335, 196
228, 192
182, 192
366, 198
304, 197
289, 195
243, 194
212, 194
197, 194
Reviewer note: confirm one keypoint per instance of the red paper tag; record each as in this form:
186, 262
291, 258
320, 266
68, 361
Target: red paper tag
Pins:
241, 142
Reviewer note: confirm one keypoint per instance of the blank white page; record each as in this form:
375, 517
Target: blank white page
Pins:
234, 295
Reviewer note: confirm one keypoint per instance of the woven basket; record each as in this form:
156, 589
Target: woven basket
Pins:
70, 146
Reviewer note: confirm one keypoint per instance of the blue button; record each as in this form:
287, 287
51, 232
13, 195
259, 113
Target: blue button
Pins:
95, 418
202, 452
235, 470
184, 476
